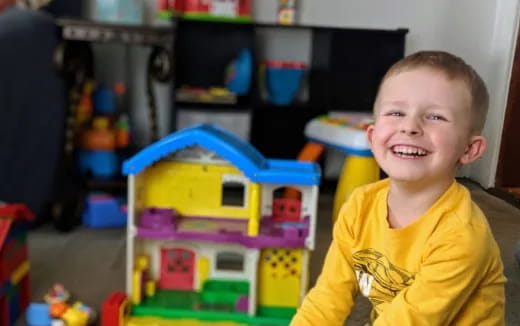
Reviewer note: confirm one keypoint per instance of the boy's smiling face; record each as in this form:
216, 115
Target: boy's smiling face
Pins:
422, 127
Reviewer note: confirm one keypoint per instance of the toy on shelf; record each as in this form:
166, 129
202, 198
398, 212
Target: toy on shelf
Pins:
347, 133
283, 80
57, 311
215, 95
239, 73
237, 80
14, 264
170, 8
220, 10
210, 235
287, 12
103, 131
103, 210
119, 11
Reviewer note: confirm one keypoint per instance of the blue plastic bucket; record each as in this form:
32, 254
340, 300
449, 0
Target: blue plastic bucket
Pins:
283, 80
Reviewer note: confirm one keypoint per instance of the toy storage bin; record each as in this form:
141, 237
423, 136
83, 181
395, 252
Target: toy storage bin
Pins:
283, 80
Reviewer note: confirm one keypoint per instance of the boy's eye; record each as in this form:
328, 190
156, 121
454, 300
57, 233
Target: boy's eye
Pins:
395, 114
437, 117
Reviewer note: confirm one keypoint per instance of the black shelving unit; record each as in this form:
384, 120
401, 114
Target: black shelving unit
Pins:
84, 30
345, 68
73, 58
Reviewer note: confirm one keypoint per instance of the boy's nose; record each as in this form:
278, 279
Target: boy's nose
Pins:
411, 127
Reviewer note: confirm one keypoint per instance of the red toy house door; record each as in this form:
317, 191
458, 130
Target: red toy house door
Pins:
177, 269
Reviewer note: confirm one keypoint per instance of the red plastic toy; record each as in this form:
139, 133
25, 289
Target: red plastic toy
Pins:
207, 9
114, 310
14, 265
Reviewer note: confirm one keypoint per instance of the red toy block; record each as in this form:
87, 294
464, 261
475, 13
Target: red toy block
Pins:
111, 309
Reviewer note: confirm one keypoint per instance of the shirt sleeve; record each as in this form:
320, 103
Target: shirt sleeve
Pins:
450, 274
332, 298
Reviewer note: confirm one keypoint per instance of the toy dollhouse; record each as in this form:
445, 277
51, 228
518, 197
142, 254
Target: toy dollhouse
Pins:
14, 264
212, 234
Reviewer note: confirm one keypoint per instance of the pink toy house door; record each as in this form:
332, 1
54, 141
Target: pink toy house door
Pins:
177, 269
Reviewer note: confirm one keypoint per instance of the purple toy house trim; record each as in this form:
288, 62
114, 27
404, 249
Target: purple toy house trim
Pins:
159, 219
166, 224
261, 241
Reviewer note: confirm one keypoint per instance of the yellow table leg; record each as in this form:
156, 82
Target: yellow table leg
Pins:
357, 171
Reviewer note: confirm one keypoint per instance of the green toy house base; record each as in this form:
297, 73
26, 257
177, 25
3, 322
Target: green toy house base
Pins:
169, 313
215, 303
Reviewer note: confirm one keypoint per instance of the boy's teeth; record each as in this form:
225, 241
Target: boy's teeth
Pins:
409, 150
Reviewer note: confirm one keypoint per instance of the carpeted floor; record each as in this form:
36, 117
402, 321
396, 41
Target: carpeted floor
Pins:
91, 263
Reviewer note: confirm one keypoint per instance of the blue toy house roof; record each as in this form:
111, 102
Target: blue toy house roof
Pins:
230, 147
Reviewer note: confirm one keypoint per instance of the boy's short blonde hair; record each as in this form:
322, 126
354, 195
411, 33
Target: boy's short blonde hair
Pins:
454, 68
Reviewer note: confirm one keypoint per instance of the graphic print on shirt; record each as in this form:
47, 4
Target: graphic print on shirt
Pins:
378, 278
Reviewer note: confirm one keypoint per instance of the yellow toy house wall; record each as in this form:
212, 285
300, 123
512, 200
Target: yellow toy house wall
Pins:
194, 189
280, 268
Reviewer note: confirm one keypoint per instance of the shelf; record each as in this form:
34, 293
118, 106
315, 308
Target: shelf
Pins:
265, 106
84, 30
210, 106
255, 106
292, 26
106, 185
331, 28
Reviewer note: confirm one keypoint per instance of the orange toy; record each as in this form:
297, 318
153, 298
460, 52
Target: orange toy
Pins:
57, 310
100, 137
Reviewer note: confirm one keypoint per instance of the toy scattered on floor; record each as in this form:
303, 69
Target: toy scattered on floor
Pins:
56, 310
57, 294
14, 265
233, 10
103, 211
210, 235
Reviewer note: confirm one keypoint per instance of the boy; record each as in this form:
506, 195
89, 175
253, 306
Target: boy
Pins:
415, 244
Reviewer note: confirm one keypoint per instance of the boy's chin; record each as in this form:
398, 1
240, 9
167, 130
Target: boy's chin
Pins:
414, 179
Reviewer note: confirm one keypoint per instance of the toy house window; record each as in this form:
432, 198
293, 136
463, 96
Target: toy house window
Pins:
233, 191
230, 261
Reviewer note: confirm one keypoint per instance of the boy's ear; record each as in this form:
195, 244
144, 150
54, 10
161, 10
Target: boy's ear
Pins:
474, 150
370, 133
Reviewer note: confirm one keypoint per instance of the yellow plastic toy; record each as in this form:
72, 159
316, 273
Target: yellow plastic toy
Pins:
346, 133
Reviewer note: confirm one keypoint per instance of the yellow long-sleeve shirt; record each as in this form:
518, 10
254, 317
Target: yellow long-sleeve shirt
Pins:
443, 269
